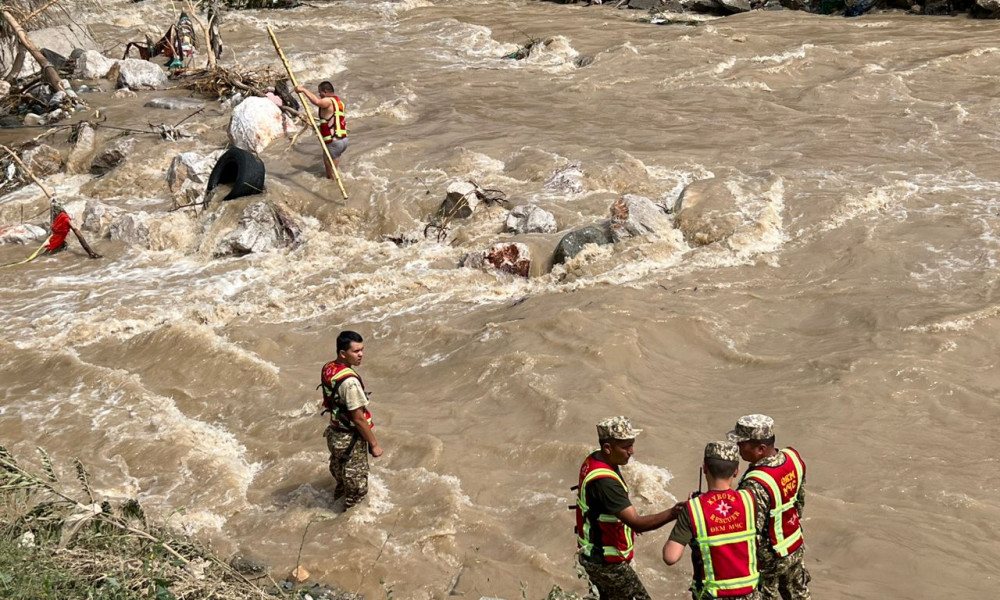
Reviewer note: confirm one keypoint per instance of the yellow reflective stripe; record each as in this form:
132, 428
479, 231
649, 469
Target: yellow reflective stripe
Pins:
782, 544
338, 111
581, 502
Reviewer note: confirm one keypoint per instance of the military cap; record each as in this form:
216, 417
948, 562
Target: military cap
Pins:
752, 427
723, 451
616, 428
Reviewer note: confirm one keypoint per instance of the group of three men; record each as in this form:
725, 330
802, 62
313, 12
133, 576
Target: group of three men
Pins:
746, 542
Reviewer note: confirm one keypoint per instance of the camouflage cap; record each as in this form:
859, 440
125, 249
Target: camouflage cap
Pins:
752, 427
616, 428
723, 451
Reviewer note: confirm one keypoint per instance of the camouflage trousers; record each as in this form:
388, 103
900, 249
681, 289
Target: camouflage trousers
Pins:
785, 578
615, 581
350, 470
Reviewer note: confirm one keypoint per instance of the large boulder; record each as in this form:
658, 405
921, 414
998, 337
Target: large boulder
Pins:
259, 230
707, 211
93, 65
461, 200
637, 216
987, 8
191, 166
513, 258
255, 123
24, 233
98, 217
43, 160
529, 218
135, 74
573, 242
131, 229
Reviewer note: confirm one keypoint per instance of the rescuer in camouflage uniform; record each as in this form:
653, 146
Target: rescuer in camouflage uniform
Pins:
606, 521
350, 436
780, 576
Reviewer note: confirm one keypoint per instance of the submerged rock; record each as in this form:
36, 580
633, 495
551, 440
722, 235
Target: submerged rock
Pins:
111, 157
529, 218
567, 179
637, 216
43, 160
513, 258
461, 201
174, 103
573, 242
98, 217
132, 229
708, 212
83, 146
259, 230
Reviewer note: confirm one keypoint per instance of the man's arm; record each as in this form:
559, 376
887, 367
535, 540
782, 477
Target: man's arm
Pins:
800, 500
361, 424
320, 102
83, 242
641, 523
672, 552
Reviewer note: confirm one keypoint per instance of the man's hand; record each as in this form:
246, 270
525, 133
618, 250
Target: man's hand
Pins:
95, 255
300, 89
375, 450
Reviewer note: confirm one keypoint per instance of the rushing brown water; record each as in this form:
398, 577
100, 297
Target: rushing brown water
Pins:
856, 303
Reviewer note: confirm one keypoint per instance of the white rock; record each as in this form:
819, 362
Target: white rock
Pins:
257, 231
24, 233
4, 88
141, 74
567, 179
98, 217
86, 138
132, 229
637, 216
255, 123
31, 119
191, 166
93, 65
528, 218
61, 39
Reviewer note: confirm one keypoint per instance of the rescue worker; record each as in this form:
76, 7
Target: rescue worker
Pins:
606, 521
350, 436
332, 122
776, 479
61, 226
720, 526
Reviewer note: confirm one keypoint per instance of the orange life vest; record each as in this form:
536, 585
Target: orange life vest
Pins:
601, 536
331, 377
724, 529
339, 129
782, 484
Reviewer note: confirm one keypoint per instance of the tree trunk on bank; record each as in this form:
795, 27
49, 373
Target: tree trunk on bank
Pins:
49, 73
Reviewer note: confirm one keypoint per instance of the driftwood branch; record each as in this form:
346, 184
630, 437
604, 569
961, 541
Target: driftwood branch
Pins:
49, 73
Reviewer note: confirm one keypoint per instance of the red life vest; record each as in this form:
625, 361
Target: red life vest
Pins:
331, 377
724, 528
782, 484
601, 536
60, 229
339, 130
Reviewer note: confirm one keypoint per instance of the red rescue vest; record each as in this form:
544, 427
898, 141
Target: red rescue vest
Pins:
601, 535
782, 484
339, 130
331, 377
725, 532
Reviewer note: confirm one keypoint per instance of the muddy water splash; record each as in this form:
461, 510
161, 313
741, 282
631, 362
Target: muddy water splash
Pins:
854, 301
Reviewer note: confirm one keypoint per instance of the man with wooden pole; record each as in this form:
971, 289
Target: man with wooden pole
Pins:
331, 165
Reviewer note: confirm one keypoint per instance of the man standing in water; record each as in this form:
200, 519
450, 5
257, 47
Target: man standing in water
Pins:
776, 479
350, 436
720, 526
606, 521
61, 226
332, 122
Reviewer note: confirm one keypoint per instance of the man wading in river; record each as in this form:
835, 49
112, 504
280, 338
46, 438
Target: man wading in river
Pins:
606, 521
61, 226
350, 436
777, 479
332, 122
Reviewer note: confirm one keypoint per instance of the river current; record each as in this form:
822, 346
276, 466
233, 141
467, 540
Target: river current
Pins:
856, 301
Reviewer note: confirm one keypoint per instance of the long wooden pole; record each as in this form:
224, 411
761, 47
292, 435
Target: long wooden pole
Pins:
49, 73
27, 171
305, 104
